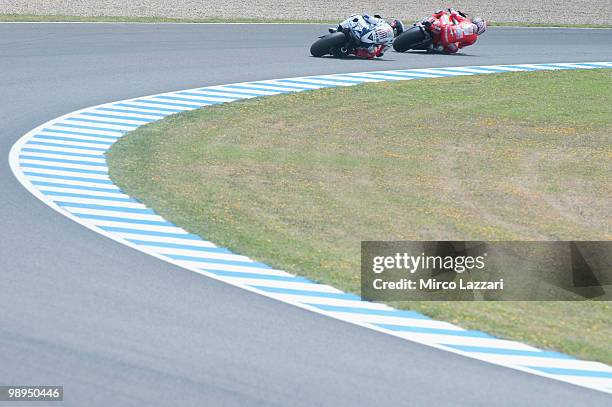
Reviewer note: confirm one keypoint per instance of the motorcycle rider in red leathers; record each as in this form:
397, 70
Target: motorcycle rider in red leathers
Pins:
452, 30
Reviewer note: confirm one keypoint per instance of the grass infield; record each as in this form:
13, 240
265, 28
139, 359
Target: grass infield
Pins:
122, 19
298, 180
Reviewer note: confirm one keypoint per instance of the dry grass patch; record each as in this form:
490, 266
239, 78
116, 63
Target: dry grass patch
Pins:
297, 181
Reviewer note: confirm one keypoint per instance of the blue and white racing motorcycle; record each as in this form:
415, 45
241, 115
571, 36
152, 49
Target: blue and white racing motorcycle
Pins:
363, 36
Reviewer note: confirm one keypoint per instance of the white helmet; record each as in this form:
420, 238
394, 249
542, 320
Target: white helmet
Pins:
481, 25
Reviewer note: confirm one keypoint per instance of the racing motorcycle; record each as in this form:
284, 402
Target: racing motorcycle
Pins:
343, 41
416, 37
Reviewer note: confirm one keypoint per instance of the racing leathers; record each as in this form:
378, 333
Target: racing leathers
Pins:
451, 31
372, 35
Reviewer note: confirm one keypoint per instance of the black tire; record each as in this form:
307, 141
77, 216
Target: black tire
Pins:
411, 38
327, 44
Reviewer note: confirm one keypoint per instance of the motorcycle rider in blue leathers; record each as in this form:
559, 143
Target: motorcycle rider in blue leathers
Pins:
372, 35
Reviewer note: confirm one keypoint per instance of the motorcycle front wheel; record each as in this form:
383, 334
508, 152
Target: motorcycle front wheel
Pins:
413, 38
327, 44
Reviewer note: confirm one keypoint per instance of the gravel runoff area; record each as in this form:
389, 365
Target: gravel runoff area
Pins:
528, 11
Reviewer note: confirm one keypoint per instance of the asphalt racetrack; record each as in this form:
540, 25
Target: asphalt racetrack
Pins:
117, 327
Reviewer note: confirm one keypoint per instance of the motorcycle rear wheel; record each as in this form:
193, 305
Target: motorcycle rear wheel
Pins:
328, 44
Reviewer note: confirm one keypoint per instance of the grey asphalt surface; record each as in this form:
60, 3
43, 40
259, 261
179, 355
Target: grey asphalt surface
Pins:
116, 327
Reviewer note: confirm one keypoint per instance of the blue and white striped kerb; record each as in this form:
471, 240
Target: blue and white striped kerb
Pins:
62, 162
